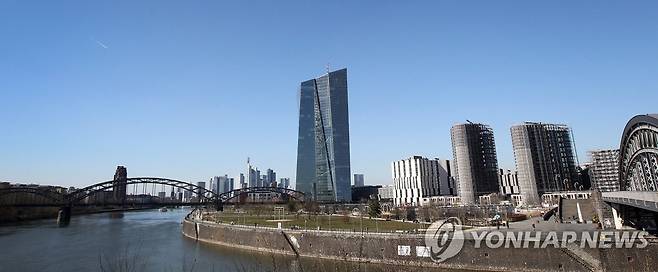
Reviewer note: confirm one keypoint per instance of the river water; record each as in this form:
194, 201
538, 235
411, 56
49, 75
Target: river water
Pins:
139, 241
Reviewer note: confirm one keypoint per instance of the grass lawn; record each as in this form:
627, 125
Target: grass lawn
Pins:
312, 222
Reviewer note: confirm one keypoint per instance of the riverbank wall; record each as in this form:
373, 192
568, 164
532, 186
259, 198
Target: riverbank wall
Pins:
405, 249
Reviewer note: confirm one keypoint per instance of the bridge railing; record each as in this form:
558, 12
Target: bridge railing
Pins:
640, 199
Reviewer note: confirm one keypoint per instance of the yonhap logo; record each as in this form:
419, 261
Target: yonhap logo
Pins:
445, 239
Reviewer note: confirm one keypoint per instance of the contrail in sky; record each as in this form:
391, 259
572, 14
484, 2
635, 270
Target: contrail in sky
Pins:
100, 43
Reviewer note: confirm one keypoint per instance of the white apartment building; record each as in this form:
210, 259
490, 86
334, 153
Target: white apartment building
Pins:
387, 192
417, 178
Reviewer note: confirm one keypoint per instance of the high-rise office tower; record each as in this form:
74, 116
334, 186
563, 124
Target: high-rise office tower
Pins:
271, 177
284, 183
253, 175
224, 184
200, 192
545, 159
358, 180
604, 170
241, 181
323, 147
188, 193
179, 194
119, 185
214, 184
475, 162
230, 184
263, 181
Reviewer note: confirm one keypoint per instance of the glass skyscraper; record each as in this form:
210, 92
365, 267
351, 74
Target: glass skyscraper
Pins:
323, 147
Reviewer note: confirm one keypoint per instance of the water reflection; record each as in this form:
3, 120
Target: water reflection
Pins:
139, 241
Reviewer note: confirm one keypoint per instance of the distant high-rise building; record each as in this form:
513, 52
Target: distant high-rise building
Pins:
242, 184
253, 175
475, 162
508, 181
270, 178
545, 159
416, 178
224, 184
201, 192
119, 185
214, 184
179, 194
284, 183
604, 170
323, 147
358, 180
230, 184
187, 194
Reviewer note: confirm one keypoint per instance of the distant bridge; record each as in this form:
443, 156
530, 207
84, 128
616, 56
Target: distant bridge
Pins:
91, 195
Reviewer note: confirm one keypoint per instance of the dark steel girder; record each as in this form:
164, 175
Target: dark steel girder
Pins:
89, 190
46, 193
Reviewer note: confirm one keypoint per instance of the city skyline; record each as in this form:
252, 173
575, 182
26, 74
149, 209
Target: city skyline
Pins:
104, 94
331, 135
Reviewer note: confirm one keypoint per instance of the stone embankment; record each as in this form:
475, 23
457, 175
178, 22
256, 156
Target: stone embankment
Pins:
408, 249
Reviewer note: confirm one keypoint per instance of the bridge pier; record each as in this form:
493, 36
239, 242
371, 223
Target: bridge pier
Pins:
64, 216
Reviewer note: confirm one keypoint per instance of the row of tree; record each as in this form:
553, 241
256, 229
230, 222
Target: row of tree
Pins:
374, 210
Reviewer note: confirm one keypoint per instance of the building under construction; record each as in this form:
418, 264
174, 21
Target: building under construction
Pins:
545, 159
604, 170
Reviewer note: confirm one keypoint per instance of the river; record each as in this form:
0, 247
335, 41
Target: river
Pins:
138, 241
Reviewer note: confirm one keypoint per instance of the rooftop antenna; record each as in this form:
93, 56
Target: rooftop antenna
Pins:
328, 67
469, 121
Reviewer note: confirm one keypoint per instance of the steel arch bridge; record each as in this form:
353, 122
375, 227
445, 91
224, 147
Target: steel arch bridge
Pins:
205, 196
80, 194
638, 159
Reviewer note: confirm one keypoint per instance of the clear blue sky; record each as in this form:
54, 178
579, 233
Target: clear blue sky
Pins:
189, 89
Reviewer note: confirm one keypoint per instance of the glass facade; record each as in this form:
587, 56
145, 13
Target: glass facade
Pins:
323, 147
